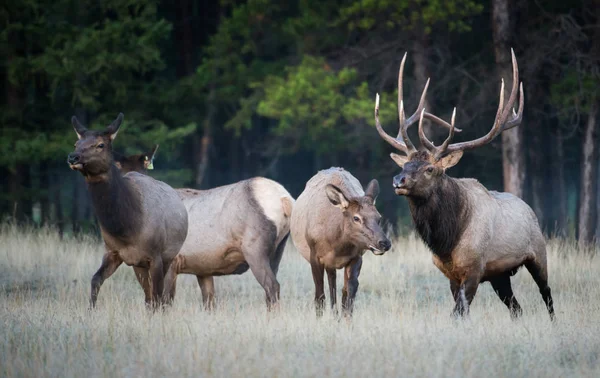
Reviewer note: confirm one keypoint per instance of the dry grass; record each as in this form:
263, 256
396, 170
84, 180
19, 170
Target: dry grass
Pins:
401, 325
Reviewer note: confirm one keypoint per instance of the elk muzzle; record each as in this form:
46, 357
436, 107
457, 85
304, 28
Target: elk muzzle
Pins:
402, 183
74, 161
382, 247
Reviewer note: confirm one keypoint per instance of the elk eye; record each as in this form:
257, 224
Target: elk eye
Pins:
356, 219
430, 170
101, 145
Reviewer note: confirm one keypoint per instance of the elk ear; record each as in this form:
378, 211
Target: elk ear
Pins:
399, 159
336, 197
79, 128
149, 158
449, 160
372, 190
113, 128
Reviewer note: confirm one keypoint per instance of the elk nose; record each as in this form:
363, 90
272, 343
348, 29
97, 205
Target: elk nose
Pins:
384, 245
399, 181
73, 158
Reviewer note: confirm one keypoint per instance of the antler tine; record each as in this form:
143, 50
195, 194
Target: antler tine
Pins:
422, 137
391, 140
517, 117
401, 114
404, 124
441, 122
514, 90
402, 142
500, 123
442, 149
413, 118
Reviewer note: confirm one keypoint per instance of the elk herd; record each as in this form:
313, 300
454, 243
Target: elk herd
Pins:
474, 234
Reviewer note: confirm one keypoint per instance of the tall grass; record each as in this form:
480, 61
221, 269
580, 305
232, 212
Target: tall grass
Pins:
401, 326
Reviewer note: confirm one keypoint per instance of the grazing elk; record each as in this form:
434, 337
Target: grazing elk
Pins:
231, 228
475, 235
333, 223
142, 220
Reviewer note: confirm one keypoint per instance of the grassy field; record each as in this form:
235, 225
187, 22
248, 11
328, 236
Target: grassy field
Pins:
402, 324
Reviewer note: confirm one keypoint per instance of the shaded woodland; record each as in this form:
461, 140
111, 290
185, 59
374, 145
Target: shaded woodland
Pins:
235, 89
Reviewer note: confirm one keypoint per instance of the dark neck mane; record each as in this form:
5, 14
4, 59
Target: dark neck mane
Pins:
441, 218
117, 204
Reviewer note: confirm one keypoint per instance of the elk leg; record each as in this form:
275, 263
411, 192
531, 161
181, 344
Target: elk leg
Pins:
351, 273
207, 286
276, 258
318, 271
143, 278
157, 277
540, 276
170, 281
331, 277
465, 296
503, 289
454, 288
260, 266
170, 271
110, 262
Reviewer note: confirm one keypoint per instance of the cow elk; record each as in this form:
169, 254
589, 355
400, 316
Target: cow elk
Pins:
475, 235
333, 223
232, 228
142, 220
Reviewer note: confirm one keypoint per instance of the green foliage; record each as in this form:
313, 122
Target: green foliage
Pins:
409, 14
577, 90
85, 55
314, 104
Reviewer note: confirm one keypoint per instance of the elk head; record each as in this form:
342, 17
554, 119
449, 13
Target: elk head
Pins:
136, 163
360, 218
422, 169
93, 149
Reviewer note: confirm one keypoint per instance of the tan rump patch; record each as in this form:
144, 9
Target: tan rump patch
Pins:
275, 202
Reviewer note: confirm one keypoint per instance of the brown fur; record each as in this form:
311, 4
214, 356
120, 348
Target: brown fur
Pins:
475, 235
142, 221
135, 163
233, 228
333, 222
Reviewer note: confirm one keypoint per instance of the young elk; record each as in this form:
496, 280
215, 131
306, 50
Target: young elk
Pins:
334, 221
135, 163
142, 220
231, 228
475, 235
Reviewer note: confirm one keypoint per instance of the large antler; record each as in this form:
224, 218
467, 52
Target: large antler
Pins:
501, 123
402, 141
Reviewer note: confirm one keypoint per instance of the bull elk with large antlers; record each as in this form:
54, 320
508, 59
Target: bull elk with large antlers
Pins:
476, 235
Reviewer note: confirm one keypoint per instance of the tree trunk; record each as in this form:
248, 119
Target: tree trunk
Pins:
55, 186
45, 197
421, 74
537, 159
560, 186
205, 141
184, 34
597, 235
538, 189
586, 225
513, 159
79, 203
14, 190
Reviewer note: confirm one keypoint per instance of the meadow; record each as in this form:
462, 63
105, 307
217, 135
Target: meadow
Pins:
401, 325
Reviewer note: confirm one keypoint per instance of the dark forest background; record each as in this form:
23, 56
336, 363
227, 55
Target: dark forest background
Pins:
235, 89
